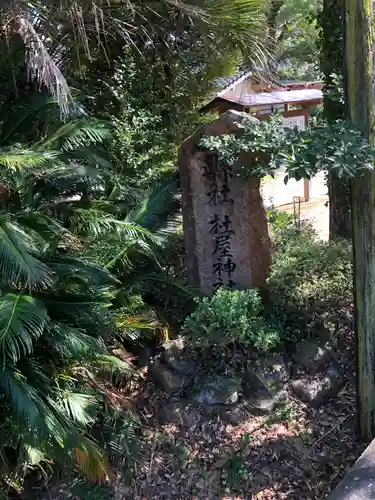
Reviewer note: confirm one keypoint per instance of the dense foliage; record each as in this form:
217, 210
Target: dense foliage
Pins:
310, 280
264, 146
91, 247
232, 317
90, 254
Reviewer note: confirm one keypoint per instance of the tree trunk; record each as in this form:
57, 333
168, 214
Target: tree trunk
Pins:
274, 9
331, 65
340, 224
359, 43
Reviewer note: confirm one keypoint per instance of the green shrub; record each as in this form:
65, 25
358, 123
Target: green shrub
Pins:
285, 229
231, 316
310, 280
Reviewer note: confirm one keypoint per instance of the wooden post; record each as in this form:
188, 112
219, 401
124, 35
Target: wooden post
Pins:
306, 189
306, 182
359, 43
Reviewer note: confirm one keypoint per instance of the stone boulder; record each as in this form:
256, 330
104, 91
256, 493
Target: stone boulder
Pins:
317, 390
269, 373
167, 379
263, 382
312, 356
218, 390
177, 357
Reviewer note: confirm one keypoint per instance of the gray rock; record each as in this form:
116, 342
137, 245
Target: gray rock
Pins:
176, 356
319, 389
358, 484
220, 390
167, 379
262, 402
265, 374
234, 416
312, 356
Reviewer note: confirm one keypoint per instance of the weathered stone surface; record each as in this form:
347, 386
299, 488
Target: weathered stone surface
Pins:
263, 381
262, 402
359, 482
267, 374
312, 356
234, 416
177, 358
166, 378
218, 205
221, 390
317, 390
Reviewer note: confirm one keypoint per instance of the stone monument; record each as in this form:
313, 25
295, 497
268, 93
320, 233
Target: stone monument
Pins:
225, 224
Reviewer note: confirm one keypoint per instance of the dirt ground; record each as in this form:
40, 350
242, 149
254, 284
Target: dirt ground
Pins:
294, 453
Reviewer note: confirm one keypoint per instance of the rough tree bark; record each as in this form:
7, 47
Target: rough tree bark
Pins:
331, 65
360, 87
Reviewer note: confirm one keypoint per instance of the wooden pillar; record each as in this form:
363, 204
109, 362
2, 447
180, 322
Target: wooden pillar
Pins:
306, 189
306, 182
360, 92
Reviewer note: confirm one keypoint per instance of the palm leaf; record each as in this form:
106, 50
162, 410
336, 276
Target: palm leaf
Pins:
23, 112
16, 260
85, 272
33, 414
111, 366
26, 160
22, 321
41, 65
155, 208
72, 343
77, 135
80, 408
90, 460
41, 225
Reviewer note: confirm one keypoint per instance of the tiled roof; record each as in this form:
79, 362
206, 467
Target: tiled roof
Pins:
271, 98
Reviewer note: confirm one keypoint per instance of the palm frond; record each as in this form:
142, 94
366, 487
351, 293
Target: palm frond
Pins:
42, 66
32, 413
152, 211
17, 264
22, 113
80, 408
87, 273
26, 159
34, 455
111, 366
72, 343
129, 253
94, 223
22, 321
90, 460
41, 225
76, 135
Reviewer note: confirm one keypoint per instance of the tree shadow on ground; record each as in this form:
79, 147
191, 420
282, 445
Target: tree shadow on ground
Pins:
300, 453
